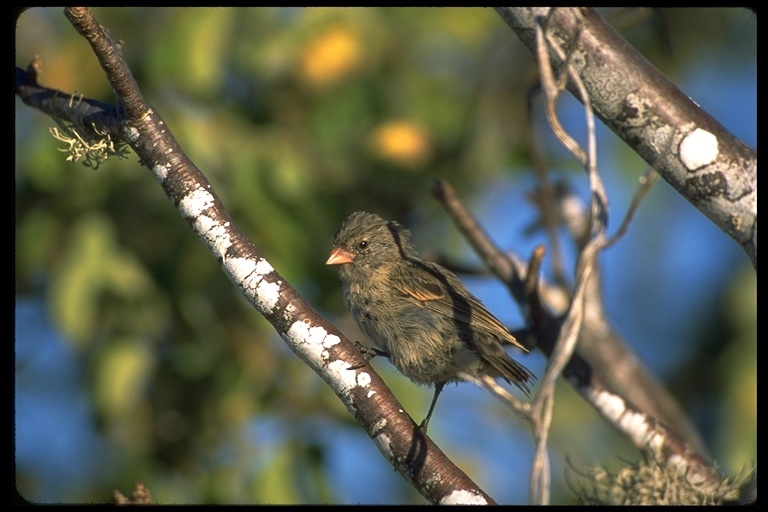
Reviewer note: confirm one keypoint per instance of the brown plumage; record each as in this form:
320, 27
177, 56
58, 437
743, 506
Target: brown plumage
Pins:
418, 313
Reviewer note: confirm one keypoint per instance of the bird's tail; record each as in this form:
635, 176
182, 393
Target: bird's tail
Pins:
514, 373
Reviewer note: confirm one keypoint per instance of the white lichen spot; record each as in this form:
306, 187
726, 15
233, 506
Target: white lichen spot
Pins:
335, 366
214, 232
263, 293
263, 267
318, 335
463, 497
634, 422
343, 378
297, 333
698, 148
312, 342
243, 270
611, 405
267, 295
330, 340
384, 442
160, 172
196, 202
364, 380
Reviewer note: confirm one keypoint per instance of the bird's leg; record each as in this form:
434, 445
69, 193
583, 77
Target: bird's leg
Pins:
368, 353
438, 389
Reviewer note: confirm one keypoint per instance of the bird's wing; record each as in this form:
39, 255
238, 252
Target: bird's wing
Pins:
443, 293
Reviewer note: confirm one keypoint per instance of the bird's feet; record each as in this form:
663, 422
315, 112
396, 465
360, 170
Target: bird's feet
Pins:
368, 353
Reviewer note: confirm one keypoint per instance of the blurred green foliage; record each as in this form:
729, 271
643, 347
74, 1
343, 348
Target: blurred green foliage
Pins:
298, 116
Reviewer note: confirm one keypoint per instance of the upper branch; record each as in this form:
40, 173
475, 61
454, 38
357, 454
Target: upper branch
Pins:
709, 166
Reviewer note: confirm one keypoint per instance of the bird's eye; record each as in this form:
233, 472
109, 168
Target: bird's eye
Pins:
363, 244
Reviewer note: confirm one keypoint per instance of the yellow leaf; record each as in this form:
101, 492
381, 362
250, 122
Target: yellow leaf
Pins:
402, 142
330, 56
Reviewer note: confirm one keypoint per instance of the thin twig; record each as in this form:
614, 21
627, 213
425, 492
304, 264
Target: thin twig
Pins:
566, 343
647, 181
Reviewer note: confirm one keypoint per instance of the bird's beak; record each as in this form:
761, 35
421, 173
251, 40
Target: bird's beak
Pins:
339, 256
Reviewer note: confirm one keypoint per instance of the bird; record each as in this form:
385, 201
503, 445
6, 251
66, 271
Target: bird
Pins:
417, 313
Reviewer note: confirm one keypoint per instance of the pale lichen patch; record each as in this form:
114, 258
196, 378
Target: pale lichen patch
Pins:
698, 148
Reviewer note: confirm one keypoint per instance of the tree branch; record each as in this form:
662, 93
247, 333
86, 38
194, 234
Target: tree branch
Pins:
704, 162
